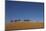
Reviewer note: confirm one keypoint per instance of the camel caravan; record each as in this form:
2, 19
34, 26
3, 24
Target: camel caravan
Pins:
26, 20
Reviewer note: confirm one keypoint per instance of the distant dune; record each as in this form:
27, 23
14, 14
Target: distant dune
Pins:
24, 25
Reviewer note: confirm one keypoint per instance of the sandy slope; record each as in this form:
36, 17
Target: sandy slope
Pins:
24, 25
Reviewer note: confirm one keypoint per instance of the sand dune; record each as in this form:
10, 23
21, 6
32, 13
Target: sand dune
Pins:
24, 25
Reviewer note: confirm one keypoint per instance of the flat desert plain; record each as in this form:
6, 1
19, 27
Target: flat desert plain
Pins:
24, 25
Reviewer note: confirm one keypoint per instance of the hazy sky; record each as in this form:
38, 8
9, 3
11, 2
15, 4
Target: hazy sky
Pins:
24, 10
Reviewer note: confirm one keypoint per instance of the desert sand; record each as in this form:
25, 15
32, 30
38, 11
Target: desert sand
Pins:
24, 25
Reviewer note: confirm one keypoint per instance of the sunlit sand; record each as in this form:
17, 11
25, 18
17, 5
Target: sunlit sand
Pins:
24, 25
